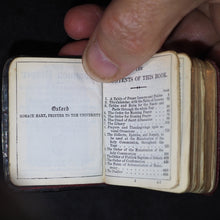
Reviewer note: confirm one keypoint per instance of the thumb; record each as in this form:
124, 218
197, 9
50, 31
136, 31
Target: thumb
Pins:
129, 33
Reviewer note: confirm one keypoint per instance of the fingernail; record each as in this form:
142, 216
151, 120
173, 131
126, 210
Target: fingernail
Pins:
98, 65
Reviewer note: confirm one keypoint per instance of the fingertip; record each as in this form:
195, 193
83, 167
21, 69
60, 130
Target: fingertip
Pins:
73, 49
102, 68
80, 21
214, 54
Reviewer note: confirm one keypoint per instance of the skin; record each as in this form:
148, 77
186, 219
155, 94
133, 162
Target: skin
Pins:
116, 40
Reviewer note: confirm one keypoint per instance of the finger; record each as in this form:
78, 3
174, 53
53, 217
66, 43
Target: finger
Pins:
215, 12
81, 21
74, 48
195, 35
129, 33
215, 54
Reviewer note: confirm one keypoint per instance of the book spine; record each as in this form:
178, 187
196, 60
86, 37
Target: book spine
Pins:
4, 120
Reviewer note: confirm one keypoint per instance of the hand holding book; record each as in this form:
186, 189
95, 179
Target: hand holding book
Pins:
156, 128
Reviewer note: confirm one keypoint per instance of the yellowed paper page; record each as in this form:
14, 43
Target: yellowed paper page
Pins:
55, 117
142, 125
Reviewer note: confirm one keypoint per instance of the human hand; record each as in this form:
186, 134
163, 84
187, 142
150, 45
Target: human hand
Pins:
117, 40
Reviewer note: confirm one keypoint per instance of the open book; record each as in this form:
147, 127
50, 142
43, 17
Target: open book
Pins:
156, 128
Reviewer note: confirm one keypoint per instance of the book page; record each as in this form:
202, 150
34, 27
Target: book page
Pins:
185, 103
141, 125
55, 116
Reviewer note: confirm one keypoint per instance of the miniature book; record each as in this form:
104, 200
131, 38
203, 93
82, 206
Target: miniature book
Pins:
156, 128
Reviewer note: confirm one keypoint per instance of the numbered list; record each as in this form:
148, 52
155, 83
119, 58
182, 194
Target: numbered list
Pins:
137, 135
